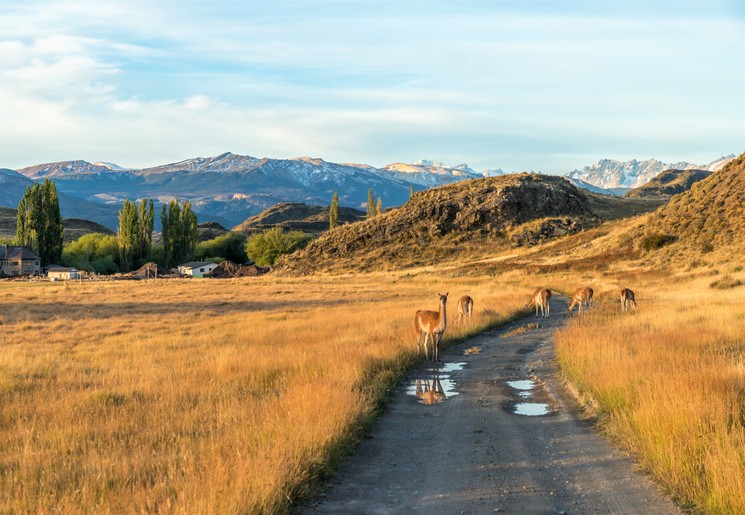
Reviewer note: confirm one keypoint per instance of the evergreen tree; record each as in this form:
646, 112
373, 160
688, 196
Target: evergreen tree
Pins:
334, 211
370, 203
39, 222
379, 208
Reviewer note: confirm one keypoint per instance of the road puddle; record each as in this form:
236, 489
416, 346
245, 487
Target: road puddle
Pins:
435, 385
530, 409
527, 390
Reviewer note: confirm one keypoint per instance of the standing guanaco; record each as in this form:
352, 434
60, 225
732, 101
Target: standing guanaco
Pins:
432, 324
542, 299
627, 299
465, 308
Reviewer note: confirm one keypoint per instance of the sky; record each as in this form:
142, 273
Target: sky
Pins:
544, 85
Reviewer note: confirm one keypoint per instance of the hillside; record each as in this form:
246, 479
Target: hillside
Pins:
710, 214
296, 216
669, 183
73, 228
439, 223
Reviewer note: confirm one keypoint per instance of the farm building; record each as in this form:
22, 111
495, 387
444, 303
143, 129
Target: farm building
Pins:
197, 268
15, 261
62, 273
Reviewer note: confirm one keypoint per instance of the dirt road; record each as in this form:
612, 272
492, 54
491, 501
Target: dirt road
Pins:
467, 448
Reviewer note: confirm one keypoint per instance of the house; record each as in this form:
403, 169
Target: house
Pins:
62, 273
15, 261
197, 268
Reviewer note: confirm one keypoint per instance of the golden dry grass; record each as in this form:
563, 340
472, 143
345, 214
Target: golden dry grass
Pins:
201, 396
668, 383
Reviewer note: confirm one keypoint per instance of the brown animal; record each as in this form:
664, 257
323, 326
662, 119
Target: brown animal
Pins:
542, 299
581, 296
589, 297
432, 325
627, 299
465, 308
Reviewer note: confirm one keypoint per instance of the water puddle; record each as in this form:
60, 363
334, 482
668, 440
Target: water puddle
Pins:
436, 385
527, 390
530, 409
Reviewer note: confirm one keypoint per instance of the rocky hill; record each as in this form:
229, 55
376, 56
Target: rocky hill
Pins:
669, 183
440, 223
710, 214
210, 230
73, 228
296, 216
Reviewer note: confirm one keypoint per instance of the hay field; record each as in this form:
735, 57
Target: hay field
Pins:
202, 395
667, 383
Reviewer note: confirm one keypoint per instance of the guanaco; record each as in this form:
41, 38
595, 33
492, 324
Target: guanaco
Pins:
627, 299
589, 297
581, 296
542, 299
465, 308
432, 325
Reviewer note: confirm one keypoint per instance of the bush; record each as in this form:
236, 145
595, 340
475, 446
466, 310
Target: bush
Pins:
265, 248
656, 241
725, 283
93, 253
230, 246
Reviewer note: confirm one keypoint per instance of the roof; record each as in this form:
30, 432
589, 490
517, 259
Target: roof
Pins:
8, 252
196, 264
57, 268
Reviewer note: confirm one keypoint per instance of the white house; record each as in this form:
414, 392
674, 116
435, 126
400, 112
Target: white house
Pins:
62, 273
197, 268
16, 261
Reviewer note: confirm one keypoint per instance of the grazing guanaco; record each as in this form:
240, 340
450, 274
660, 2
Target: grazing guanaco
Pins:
627, 299
542, 299
432, 324
581, 296
465, 308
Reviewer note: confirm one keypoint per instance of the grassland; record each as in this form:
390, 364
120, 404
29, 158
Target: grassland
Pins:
668, 382
201, 396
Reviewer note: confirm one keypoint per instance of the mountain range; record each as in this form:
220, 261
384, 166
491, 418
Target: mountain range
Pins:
229, 188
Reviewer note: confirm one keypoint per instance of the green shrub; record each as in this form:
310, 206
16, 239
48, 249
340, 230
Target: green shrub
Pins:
265, 248
93, 253
230, 246
656, 241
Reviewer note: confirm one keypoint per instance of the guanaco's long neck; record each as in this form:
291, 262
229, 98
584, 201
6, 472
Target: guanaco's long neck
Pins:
443, 318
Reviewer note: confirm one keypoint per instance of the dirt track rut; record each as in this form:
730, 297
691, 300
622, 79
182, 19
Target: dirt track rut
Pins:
468, 452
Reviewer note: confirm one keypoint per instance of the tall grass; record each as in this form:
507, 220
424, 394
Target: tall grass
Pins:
201, 396
668, 384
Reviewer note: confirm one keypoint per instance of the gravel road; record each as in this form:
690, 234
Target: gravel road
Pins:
453, 440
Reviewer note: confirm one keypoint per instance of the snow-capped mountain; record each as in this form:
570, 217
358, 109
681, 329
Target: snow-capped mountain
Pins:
61, 168
429, 173
111, 166
609, 173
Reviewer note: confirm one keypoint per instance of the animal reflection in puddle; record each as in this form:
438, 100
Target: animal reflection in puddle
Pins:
437, 386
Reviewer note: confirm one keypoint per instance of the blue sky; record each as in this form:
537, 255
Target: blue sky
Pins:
519, 85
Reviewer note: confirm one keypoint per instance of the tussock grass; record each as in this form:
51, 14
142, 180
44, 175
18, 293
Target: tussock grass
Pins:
668, 383
202, 396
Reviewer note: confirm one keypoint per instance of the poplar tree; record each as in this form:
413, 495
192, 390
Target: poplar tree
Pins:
180, 232
39, 222
147, 223
370, 203
334, 211
128, 237
379, 208
411, 190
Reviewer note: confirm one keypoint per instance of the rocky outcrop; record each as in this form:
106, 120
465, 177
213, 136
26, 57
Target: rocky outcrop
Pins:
440, 220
